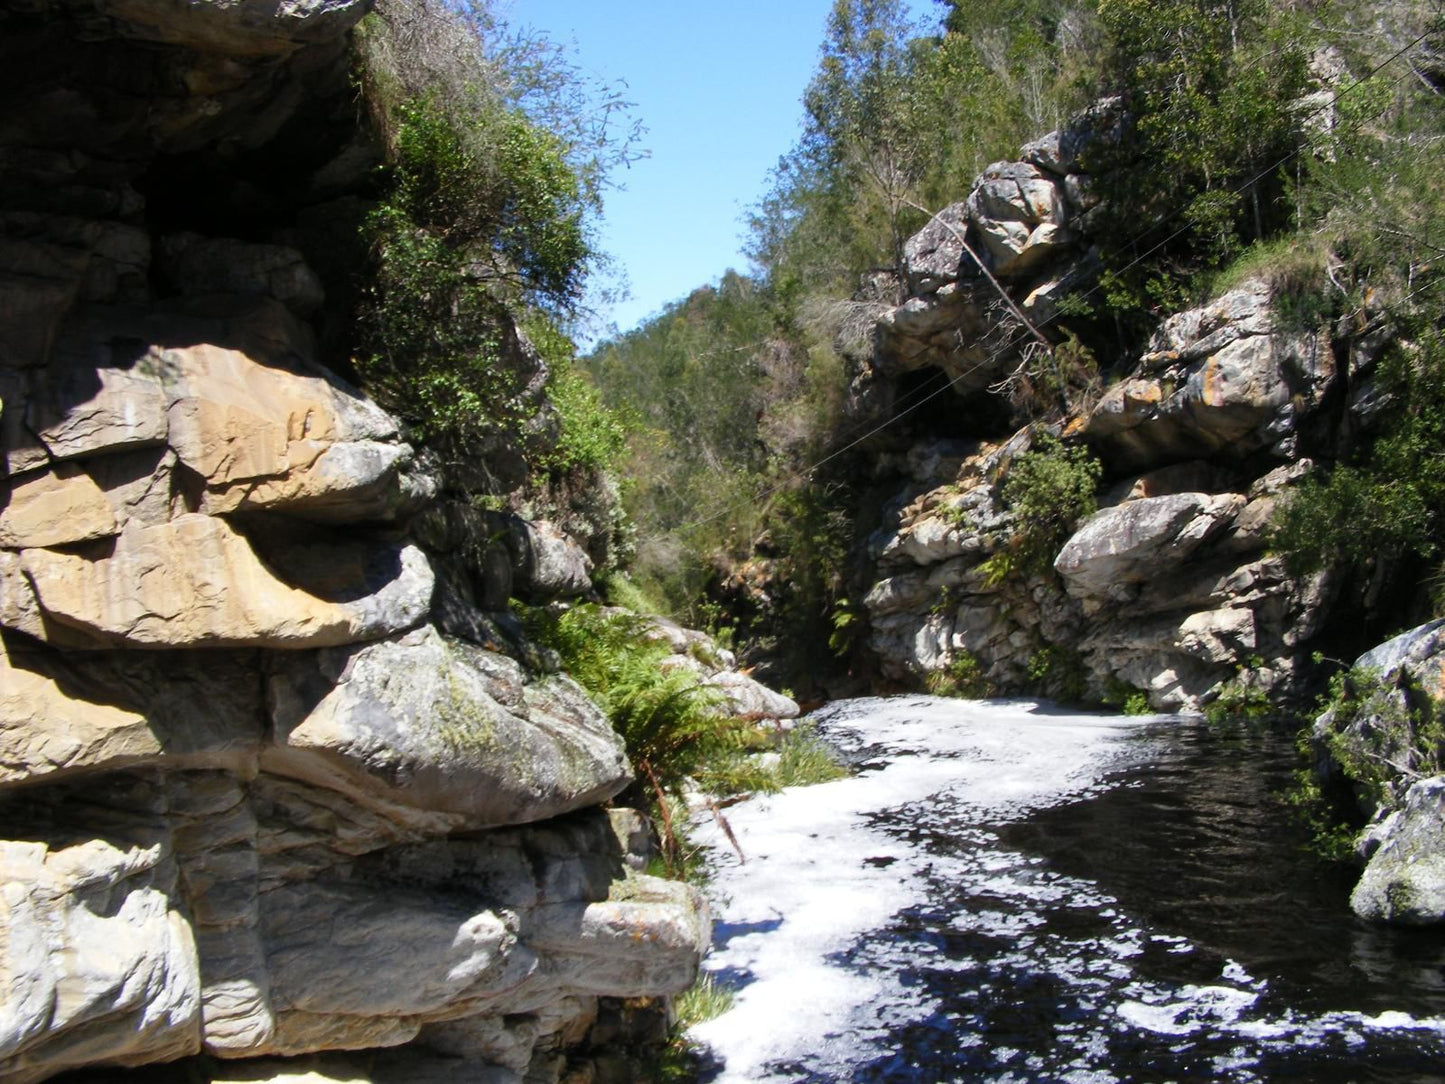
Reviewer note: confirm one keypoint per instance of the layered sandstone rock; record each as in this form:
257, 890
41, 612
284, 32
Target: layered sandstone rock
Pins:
271, 785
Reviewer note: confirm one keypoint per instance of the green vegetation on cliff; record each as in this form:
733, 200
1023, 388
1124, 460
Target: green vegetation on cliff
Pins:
481, 245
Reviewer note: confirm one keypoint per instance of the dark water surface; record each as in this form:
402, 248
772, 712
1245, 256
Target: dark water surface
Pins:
1150, 915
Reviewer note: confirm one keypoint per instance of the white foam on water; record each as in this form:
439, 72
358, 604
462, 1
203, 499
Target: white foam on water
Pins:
817, 875
827, 866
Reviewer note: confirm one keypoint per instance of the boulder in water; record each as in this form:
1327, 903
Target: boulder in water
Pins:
1405, 880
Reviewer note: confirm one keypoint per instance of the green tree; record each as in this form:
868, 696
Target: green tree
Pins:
862, 124
1373, 197
709, 386
1034, 50
1206, 89
1049, 489
483, 229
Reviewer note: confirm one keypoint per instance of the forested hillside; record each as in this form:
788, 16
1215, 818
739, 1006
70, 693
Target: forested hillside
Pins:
775, 414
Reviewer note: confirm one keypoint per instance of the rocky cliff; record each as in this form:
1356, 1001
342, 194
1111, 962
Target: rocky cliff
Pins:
271, 785
1169, 595
1170, 588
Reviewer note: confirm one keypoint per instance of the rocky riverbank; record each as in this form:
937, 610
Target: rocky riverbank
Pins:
1170, 589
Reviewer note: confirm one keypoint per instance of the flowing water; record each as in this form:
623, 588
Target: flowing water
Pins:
1010, 892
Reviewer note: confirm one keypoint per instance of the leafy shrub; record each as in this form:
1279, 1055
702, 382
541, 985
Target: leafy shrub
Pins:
481, 220
1332, 830
1058, 670
810, 533
801, 759
1137, 703
805, 760
1238, 700
1057, 382
1380, 736
1206, 103
1128, 699
1380, 733
481, 249
619, 589
1049, 489
590, 437
1294, 267
848, 620
680, 1062
671, 722
962, 677
1385, 503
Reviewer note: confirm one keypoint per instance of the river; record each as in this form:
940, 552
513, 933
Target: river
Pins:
1012, 892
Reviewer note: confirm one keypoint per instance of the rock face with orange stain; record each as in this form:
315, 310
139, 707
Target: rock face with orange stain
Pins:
1169, 588
1228, 379
270, 785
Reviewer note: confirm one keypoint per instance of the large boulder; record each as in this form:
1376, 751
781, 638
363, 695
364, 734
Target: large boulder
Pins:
932, 256
1404, 882
1419, 651
192, 264
1226, 379
547, 563
465, 734
1168, 588
1022, 215
1135, 542
245, 28
55, 508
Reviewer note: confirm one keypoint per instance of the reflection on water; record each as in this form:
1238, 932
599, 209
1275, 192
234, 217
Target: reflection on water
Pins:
1009, 893
1196, 839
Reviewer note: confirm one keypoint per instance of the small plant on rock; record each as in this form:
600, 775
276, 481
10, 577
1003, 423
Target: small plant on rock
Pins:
706, 999
963, 677
1129, 699
1058, 670
1383, 734
1049, 489
671, 722
1238, 700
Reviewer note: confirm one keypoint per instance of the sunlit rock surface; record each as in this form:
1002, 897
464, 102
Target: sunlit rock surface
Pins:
1404, 882
272, 785
1169, 590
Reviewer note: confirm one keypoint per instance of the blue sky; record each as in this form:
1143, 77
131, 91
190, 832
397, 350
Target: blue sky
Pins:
719, 88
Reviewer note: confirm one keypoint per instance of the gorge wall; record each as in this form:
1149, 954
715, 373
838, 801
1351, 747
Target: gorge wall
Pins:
272, 784
1170, 589
1170, 596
